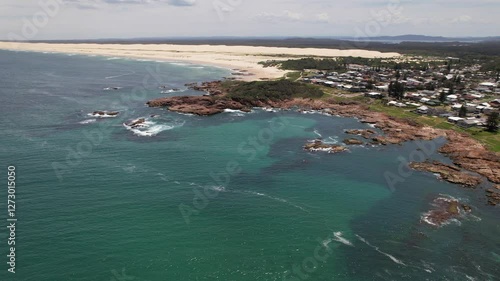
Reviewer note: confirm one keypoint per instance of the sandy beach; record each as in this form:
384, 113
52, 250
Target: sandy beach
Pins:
237, 58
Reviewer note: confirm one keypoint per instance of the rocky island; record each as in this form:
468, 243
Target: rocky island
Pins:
318, 145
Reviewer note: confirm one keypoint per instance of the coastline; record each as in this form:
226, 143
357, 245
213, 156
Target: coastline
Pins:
241, 59
467, 154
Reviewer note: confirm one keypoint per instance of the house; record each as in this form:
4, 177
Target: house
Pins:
374, 95
488, 84
397, 104
455, 119
495, 103
423, 110
383, 88
468, 123
471, 107
452, 98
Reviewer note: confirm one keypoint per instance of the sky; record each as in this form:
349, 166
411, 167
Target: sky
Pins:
94, 19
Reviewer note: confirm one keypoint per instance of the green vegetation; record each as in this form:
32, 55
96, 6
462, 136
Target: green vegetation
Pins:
341, 64
307, 63
293, 76
462, 112
492, 122
270, 90
396, 90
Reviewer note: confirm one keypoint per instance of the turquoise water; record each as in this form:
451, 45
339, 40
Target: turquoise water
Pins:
228, 197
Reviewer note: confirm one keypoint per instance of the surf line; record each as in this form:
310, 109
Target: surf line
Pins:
112, 77
383, 253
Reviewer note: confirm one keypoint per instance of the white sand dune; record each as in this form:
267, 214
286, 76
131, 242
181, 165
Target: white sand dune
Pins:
244, 58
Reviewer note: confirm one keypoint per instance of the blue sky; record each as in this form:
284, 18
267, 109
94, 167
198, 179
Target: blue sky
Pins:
83, 19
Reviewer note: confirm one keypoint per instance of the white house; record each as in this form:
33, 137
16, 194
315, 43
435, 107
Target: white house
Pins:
452, 97
423, 109
455, 119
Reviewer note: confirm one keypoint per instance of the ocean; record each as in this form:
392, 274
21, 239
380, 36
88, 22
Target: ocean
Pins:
227, 197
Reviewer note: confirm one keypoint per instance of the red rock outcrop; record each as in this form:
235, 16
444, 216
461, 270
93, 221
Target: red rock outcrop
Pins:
449, 173
318, 145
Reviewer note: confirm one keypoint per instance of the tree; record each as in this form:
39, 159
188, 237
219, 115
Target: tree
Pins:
442, 96
452, 90
462, 112
492, 122
398, 75
391, 89
400, 91
396, 90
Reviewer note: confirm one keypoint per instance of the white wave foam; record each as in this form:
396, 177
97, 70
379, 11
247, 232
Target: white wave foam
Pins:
426, 218
101, 116
129, 168
121, 75
112, 88
218, 188
179, 63
185, 114
227, 110
233, 112
88, 121
170, 91
378, 250
339, 238
113, 58
268, 109
276, 199
332, 140
318, 134
150, 128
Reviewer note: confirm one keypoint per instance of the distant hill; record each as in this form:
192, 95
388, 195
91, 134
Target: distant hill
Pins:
422, 38
406, 44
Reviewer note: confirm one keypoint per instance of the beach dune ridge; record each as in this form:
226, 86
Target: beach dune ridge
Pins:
241, 58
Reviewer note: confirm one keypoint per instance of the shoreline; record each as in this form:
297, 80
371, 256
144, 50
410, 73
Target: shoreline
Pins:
244, 59
466, 153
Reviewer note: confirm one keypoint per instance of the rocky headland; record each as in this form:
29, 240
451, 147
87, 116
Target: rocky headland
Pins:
467, 154
449, 173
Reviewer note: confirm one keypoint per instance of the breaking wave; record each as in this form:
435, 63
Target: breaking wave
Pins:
339, 238
378, 250
150, 128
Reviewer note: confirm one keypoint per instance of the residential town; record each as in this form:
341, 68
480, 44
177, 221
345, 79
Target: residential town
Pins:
464, 95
